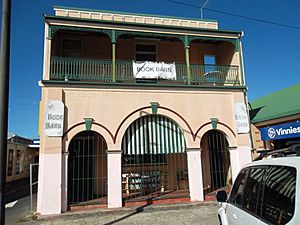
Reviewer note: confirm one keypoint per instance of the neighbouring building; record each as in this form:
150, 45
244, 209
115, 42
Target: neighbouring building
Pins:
138, 108
20, 154
275, 119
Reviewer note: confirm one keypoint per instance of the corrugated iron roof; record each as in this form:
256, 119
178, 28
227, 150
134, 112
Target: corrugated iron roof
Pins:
276, 105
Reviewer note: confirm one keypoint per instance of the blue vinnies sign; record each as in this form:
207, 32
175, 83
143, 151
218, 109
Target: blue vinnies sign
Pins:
282, 131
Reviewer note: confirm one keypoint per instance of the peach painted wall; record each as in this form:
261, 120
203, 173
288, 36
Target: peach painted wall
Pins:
109, 107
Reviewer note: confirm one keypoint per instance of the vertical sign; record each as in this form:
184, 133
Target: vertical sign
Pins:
54, 118
241, 118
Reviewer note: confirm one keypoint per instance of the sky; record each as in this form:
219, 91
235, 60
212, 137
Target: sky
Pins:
271, 52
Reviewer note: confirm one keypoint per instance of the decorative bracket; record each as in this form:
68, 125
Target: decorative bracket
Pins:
88, 123
154, 106
214, 122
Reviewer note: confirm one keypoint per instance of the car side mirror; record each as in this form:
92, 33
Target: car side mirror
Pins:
221, 196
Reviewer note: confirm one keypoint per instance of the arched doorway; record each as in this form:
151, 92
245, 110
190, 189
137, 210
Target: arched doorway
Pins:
154, 164
87, 169
215, 161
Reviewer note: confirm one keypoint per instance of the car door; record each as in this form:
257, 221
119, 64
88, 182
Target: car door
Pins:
279, 196
234, 204
243, 202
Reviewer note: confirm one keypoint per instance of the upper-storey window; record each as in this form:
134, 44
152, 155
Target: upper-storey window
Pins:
71, 48
145, 52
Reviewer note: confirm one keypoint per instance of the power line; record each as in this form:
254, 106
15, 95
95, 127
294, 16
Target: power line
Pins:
253, 19
183, 3
236, 15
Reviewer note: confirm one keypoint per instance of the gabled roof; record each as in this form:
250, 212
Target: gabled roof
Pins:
279, 104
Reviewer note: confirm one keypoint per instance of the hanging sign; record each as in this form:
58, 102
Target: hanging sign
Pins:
282, 131
54, 118
241, 118
154, 70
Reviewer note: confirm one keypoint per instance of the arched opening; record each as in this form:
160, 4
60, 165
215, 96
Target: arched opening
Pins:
87, 169
154, 164
215, 161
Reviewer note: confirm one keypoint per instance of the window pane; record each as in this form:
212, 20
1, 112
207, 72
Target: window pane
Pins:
145, 52
236, 195
253, 190
145, 57
145, 48
279, 195
10, 162
209, 59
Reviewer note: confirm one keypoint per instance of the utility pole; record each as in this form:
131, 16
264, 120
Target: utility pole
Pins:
4, 90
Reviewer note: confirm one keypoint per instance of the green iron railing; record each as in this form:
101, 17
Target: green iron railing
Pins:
67, 68
63, 68
215, 74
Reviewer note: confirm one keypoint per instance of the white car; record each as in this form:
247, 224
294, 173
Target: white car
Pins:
264, 192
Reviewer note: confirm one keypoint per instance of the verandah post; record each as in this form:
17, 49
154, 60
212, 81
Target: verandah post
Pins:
187, 59
113, 41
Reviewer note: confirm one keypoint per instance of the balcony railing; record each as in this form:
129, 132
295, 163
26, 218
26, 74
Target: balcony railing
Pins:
79, 69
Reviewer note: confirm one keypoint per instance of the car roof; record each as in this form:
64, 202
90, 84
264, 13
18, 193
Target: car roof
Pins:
293, 161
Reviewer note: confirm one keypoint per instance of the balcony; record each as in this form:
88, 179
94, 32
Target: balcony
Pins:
94, 70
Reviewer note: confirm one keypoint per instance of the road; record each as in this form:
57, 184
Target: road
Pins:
17, 189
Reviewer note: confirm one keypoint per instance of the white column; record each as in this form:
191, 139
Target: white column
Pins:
49, 186
195, 174
239, 156
64, 185
114, 179
47, 54
234, 162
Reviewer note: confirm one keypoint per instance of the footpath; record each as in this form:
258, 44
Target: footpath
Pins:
192, 213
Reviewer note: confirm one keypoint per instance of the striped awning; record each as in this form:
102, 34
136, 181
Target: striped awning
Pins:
153, 135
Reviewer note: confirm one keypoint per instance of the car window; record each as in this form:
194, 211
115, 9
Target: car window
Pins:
236, 195
279, 195
253, 191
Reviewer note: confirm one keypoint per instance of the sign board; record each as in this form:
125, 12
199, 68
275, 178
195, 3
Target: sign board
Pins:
282, 131
54, 118
241, 118
154, 70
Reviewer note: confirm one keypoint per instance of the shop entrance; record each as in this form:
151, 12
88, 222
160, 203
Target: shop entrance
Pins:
215, 161
87, 169
154, 164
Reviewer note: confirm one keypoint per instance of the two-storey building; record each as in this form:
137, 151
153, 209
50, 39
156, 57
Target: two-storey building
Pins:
138, 108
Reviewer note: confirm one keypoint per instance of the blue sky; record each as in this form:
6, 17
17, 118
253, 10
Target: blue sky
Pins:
271, 53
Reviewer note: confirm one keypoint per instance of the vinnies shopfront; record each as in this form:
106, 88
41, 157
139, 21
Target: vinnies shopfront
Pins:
275, 119
281, 135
